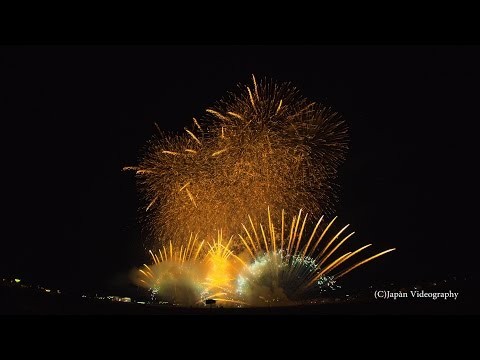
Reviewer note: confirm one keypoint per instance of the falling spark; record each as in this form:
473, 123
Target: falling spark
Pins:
216, 153
170, 152
191, 197
217, 114
251, 97
197, 124
128, 168
184, 186
151, 203
238, 116
193, 136
279, 106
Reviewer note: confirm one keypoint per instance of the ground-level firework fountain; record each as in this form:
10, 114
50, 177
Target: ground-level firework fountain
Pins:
259, 156
277, 266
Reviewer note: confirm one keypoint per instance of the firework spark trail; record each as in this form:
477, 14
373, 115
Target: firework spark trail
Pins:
264, 145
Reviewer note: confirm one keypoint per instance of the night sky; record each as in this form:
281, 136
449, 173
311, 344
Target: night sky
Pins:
72, 117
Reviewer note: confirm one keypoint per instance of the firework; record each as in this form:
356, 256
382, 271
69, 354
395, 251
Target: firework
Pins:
285, 147
222, 268
176, 274
188, 275
262, 147
265, 146
286, 268
275, 267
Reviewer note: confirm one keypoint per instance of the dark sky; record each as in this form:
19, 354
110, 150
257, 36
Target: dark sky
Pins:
72, 117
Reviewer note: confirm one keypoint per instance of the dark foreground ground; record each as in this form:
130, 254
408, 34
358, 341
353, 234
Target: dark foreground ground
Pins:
18, 300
